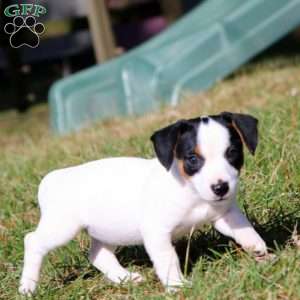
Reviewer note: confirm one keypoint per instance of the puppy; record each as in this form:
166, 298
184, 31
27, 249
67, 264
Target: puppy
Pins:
128, 201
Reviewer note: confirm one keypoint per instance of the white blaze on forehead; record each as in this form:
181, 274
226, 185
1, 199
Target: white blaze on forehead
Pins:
213, 139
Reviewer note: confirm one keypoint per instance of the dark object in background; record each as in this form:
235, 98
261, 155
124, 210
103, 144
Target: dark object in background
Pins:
27, 73
136, 23
187, 5
135, 33
13, 74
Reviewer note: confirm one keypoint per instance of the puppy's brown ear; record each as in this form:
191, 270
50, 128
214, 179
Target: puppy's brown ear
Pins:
246, 127
165, 139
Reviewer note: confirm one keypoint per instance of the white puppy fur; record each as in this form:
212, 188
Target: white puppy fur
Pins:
129, 201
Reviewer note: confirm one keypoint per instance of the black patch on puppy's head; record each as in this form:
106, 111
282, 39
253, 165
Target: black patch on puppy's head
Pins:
188, 152
165, 140
242, 130
179, 141
245, 126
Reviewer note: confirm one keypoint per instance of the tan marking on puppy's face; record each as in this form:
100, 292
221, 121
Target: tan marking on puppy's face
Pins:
181, 170
197, 151
180, 162
238, 131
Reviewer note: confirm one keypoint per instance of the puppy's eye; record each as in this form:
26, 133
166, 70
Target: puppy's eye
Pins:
192, 159
193, 163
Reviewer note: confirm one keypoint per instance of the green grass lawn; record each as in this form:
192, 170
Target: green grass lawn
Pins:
269, 194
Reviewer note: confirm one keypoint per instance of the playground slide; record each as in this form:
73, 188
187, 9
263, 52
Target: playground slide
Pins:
202, 47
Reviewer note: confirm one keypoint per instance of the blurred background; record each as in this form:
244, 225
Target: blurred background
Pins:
79, 34
67, 44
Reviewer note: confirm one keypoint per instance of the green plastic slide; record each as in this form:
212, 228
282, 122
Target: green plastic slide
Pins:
202, 47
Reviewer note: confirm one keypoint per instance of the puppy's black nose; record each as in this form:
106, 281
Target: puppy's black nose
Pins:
221, 188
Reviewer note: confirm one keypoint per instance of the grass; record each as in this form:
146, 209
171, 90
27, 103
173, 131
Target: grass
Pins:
269, 194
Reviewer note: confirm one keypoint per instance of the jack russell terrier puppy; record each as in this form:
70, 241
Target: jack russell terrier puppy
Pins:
129, 201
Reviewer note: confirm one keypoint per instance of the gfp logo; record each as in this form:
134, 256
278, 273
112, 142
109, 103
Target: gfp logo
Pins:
24, 30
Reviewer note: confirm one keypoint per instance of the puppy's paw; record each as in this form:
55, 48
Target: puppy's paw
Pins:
135, 277
174, 287
27, 287
254, 245
259, 249
266, 258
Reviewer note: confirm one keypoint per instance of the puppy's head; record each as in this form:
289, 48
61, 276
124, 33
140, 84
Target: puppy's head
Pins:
207, 152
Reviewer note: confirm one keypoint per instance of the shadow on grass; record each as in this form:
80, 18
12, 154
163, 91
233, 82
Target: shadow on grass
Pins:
210, 244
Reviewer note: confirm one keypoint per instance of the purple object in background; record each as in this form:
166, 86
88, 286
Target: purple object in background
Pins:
134, 33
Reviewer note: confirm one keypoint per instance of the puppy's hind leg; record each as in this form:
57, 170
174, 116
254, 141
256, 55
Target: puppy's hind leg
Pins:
52, 232
103, 258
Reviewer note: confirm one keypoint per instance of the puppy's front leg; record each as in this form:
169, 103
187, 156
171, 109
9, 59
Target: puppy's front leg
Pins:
165, 260
235, 225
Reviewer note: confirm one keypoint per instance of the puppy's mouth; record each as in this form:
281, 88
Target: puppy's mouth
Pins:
220, 199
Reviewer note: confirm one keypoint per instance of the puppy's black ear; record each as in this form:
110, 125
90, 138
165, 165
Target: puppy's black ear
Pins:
165, 139
246, 127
